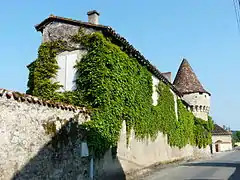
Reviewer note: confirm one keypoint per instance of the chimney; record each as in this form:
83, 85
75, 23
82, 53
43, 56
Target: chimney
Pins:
168, 75
93, 17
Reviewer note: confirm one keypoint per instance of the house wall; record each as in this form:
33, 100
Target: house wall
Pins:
155, 95
139, 154
56, 30
25, 147
175, 103
200, 104
224, 138
224, 145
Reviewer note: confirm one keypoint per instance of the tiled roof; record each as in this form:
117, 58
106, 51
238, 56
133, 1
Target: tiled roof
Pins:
186, 80
20, 97
218, 130
121, 41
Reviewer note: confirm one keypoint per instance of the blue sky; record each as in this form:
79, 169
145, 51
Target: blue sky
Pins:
204, 32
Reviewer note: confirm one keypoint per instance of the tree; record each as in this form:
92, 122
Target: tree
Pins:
235, 137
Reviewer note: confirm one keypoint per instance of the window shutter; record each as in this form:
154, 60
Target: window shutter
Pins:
155, 94
70, 72
61, 75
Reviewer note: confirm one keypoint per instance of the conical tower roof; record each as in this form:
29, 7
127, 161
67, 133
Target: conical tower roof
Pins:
186, 80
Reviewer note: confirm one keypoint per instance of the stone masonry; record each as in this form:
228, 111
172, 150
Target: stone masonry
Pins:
25, 147
27, 152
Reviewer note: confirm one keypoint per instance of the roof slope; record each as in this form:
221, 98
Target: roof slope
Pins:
218, 130
186, 80
119, 40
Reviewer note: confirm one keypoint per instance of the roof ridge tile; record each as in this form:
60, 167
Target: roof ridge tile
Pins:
22, 97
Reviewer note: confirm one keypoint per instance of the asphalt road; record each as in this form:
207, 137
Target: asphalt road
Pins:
224, 166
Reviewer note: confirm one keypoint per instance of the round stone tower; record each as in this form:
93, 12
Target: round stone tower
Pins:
193, 92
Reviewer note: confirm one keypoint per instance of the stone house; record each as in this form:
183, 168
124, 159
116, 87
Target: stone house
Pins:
221, 139
29, 111
185, 85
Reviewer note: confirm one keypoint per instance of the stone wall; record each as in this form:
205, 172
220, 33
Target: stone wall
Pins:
56, 30
200, 104
140, 154
27, 149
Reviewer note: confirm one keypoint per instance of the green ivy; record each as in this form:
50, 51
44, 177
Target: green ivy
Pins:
118, 88
198, 130
182, 132
164, 117
43, 70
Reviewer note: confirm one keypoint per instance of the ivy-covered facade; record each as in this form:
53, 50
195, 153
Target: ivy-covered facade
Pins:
116, 87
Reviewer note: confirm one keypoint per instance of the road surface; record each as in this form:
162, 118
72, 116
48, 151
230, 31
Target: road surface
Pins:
224, 166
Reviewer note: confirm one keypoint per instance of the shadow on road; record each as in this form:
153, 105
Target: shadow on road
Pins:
234, 176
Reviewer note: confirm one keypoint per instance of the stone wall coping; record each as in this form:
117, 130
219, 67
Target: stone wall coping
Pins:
22, 97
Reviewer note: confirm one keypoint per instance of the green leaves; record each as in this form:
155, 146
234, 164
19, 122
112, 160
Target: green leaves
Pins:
118, 88
197, 130
43, 69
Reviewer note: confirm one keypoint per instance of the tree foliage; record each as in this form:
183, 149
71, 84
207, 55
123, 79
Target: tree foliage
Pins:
235, 137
